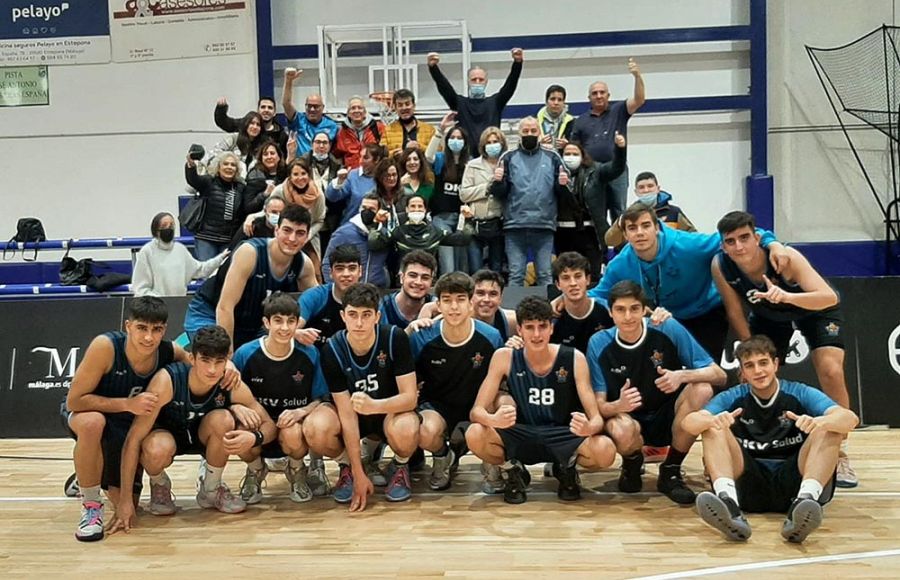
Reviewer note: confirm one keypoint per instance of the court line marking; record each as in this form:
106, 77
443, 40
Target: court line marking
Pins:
772, 564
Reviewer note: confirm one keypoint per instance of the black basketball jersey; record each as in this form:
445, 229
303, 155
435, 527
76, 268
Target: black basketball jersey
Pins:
375, 373
122, 381
747, 289
185, 411
576, 332
548, 400
262, 282
452, 374
501, 323
390, 312
320, 310
291, 382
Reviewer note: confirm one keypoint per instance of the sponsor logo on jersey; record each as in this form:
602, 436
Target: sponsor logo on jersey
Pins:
562, 375
477, 360
438, 362
619, 370
382, 359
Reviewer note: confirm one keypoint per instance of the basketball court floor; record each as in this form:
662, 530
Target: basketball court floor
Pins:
459, 533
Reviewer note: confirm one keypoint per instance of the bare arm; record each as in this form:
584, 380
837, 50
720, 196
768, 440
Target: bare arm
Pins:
586, 393
635, 101
307, 277
97, 361
817, 294
241, 395
698, 422
734, 308
362, 485
287, 94
404, 401
242, 266
498, 370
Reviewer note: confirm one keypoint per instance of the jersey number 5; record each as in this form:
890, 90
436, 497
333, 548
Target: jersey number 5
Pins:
544, 397
367, 385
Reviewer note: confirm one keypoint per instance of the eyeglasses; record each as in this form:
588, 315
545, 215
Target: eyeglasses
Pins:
314, 107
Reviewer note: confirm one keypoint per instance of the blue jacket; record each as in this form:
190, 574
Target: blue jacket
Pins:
353, 190
529, 188
679, 278
306, 131
374, 262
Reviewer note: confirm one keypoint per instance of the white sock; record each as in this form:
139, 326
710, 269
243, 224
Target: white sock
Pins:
295, 463
401, 460
159, 478
256, 465
811, 488
506, 465
342, 458
213, 477
726, 485
91, 494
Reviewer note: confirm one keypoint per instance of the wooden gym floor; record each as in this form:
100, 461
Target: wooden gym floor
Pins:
460, 533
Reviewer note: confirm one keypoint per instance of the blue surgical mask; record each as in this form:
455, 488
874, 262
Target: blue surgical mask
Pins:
648, 199
493, 149
456, 145
272, 218
476, 91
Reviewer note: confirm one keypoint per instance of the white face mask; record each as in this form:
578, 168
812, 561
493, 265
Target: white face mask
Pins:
648, 199
572, 162
415, 217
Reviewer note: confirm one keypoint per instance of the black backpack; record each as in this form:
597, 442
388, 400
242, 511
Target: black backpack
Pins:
27, 230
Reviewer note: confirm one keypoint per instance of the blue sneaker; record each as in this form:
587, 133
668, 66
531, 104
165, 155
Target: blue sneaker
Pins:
343, 490
399, 487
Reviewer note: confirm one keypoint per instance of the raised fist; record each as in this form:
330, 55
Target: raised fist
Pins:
517, 54
291, 74
633, 68
433, 58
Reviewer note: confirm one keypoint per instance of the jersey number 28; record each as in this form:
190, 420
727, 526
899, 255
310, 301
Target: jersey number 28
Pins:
544, 397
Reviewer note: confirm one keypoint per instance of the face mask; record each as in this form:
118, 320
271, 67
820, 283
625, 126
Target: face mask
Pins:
273, 218
572, 162
416, 217
529, 142
455, 145
367, 216
167, 235
493, 149
320, 156
648, 199
476, 91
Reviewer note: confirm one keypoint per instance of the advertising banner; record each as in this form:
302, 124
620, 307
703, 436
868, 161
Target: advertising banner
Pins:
171, 29
53, 32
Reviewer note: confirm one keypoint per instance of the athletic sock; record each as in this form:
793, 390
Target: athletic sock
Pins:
726, 485
401, 460
213, 477
506, 465
159, 478
674, 457
90, 494
442, 452
295, 463
256, 465
342, 458
810, 488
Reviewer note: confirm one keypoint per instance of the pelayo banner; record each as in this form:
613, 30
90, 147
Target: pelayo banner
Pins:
53, 32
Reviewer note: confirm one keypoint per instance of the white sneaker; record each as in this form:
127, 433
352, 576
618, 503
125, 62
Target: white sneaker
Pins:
300, 491
90, 528
161, 501
846, 476
221, 499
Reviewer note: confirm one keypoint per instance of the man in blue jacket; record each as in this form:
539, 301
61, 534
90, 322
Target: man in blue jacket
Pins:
356, 233
672, 266
529, 180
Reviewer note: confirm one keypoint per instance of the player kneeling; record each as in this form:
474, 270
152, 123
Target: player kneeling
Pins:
555, 418
286, 380
193, 417
769, 445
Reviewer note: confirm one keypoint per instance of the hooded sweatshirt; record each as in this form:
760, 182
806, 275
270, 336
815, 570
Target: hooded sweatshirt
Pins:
356, 233
678, 278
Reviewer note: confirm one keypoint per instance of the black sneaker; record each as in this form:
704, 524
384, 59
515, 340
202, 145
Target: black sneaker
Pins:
630, 478
671, 483
722, 513
514, 491
803, 517
568, 490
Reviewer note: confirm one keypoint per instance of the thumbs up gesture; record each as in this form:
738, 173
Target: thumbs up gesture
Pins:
629, 398
619, 140
563, 176
725, 419
805, 423
668, 381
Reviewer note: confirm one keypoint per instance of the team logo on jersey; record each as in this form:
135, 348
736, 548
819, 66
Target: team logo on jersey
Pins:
832, 329
220, 400
477, 360
656, 358
382, 359
298, 377
562, 375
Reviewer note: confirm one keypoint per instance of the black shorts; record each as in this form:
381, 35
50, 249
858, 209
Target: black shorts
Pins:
371, 426
822, 328
763, 489
111, 442
710, 329
187, 442
532, 444
272, 450
656, 427
453, 417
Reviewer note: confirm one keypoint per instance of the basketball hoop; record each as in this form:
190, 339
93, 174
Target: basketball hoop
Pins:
383, 104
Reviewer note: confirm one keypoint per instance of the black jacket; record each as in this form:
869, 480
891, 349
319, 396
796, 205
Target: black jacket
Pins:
223, 214
231, 125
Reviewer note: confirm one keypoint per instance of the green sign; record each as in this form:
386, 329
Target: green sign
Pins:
22, 86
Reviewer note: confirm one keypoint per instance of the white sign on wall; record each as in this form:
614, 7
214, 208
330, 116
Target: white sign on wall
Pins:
173, 29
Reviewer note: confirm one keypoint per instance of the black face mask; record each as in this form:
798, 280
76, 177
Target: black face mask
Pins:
368, 217
167, 235
529, 142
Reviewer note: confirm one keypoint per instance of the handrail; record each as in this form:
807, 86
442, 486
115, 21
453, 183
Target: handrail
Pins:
116, 242
27, 290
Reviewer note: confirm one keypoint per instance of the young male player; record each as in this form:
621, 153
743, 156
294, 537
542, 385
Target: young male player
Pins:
286, 379
487, 299
191, 415
320, 307
371, 376
647, 378
233, 297
797, 297
107, 392
555, 416
417, 270
452, 358
582, 316
770, 445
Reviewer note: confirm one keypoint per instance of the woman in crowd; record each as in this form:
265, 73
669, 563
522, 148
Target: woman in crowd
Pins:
270, 170
325, 167
164, 267
582, 217
245, 144
487, 210
387, 187
448, 171
417, 176
222, 193
300, 189
358, 130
